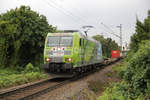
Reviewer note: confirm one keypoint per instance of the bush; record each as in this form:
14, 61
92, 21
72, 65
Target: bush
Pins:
116, 91
95, 86
9, 77
137, 74
136, 77
30, 68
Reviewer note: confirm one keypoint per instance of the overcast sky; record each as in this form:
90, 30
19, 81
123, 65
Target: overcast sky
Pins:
73, 14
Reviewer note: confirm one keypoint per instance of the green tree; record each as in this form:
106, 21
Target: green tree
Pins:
7, 32
137, 73
142, 33
27, 41
107, 45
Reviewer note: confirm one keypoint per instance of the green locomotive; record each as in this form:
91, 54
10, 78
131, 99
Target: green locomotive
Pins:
71, 52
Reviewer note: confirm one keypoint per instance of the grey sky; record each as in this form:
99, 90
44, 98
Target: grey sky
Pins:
73, 14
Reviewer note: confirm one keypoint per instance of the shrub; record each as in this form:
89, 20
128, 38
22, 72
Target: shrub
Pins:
11, 78
95, 86
136, 77
120, 69
137, 74
29, 68
115, 91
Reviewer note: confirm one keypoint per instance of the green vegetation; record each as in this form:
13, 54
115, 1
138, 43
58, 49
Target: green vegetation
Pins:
13, 77
90, 96
110, 74
142, 33
135, 71
95, 86
119, 69
22, 36
107, 45
115, 91
83, 95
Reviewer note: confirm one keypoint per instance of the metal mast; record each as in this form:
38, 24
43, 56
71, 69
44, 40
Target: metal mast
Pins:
119, 36
120, 27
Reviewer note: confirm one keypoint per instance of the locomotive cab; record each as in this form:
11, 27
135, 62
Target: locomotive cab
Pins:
58, 52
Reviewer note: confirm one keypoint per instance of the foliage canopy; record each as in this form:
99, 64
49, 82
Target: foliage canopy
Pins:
107, 45
22, 35
142, 33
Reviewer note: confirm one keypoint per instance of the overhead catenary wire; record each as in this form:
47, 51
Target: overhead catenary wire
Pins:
61, 11
64, 11
96, 26
83, 16
112, 32
78, 19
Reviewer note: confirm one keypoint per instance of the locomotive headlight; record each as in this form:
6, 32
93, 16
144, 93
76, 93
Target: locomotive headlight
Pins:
48, 59
68, 59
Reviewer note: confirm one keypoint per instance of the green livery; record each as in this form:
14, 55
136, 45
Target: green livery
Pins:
68, 52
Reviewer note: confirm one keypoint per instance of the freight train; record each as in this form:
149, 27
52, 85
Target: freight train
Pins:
68, 53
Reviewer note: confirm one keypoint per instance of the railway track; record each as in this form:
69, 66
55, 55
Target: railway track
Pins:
29, 92
38, 89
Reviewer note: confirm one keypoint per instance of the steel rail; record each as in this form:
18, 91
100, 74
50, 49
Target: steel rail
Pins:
41, 92
16, 90
50, 88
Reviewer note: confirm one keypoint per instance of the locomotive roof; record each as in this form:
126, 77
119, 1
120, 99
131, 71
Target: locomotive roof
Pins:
71, 33
60, 34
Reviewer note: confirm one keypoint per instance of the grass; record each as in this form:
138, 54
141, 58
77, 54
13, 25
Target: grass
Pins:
90, 96
110, 74
84, 95
119, 69
96, 86
12, 77
114, 90
107, 89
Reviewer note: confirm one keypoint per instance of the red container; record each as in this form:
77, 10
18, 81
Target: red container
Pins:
115, 53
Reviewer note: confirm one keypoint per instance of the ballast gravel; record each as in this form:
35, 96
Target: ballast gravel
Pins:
78, 90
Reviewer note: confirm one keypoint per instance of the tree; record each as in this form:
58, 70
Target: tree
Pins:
107, 45
27, 42
7, 31
142, 33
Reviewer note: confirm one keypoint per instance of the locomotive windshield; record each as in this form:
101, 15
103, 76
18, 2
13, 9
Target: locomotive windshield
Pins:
59, 41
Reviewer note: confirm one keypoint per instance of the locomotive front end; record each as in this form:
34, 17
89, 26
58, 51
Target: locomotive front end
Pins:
58, 53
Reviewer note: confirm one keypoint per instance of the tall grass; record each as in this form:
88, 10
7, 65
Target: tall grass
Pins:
13, 77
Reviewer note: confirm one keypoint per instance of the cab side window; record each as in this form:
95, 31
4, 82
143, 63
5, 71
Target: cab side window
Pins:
83, 42
80, 42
